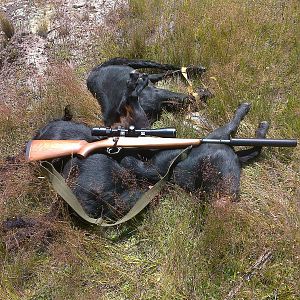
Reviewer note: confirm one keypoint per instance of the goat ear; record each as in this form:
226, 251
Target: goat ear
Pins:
142, 82
68, 115
145, 76
131, 84
134, 75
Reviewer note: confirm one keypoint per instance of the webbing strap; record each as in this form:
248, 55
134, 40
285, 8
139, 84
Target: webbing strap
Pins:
60, 186
190, 88
184, 73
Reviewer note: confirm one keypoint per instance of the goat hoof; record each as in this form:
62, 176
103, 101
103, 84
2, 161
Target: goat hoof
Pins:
262, 129
264, 124
204, 94
246, 106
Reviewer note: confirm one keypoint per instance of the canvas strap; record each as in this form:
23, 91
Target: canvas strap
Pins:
190, 88
60, 186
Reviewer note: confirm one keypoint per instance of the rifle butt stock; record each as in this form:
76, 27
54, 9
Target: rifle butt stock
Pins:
49, 149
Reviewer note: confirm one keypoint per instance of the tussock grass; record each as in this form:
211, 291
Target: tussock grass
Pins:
34, 109
64, 88
181, 247
43, 28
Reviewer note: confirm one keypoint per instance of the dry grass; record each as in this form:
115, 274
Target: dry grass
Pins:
64, 88
181, 248
6, 26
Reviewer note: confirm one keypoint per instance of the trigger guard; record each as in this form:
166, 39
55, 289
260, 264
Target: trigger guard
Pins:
113, 150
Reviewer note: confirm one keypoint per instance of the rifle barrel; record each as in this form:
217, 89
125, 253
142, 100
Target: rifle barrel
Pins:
254, 142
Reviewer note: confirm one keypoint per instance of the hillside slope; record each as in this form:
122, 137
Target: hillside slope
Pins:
181, 247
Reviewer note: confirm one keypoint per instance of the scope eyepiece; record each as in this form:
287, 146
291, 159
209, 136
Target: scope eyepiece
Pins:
132, 132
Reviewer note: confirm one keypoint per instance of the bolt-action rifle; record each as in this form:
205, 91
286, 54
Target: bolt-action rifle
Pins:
113, 140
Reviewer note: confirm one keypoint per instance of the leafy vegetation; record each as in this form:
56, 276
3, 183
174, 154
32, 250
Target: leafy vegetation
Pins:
181, 247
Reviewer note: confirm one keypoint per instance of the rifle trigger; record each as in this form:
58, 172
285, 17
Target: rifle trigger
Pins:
113, 150
115, 139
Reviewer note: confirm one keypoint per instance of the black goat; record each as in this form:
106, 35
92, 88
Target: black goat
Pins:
108, 83
214, 168
102, 185
106, 186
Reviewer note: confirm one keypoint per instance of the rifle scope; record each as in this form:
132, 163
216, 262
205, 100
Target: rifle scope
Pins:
132, 132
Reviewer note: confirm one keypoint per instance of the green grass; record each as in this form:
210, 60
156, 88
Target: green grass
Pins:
181, 247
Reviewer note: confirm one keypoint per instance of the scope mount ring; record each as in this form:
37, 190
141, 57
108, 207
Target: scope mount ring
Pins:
113, 150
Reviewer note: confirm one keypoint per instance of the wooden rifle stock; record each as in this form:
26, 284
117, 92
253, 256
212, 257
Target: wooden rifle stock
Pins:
49, 149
